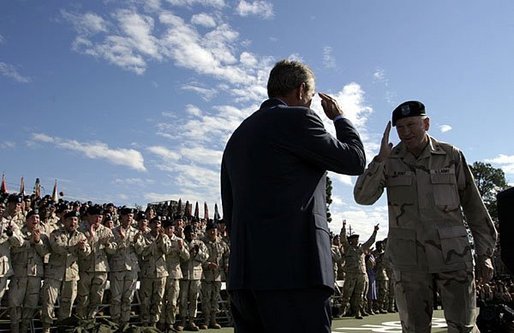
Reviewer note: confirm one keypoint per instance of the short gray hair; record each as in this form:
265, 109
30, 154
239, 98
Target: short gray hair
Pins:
288, 75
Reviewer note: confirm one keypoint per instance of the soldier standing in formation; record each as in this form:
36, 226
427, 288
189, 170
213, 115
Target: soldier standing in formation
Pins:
156, 245
430, 188
190, 284
355, 269
177, 253
67, 244
381, 278
28, 268
94, 267
213, 267
124, 267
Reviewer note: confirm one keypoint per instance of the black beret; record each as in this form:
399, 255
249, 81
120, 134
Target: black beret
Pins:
408, 109
353, 236
156, 219
211, 225
108, 217
141, 216
32, 212
127, 210
72, 213
189, 228
14, 198
167, 223
95, 210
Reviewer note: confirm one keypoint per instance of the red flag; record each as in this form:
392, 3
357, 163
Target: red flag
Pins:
54, 192
22, 186
205, 211
3, 188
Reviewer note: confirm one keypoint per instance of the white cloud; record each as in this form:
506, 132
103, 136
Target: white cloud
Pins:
258, 8
206, 93
190, 3
133, 181
379, 75
7, 145
193, 110
86, 24
11, 72
445, 128
164, 153
203, 19
97, 150
328, 58
506, 162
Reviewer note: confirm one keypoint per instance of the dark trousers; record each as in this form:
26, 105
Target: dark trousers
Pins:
281, 311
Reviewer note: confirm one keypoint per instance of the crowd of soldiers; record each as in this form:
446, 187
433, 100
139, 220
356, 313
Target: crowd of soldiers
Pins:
75, 250
363, 276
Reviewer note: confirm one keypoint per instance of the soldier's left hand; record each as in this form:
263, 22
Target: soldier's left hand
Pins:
36, 235
376, 226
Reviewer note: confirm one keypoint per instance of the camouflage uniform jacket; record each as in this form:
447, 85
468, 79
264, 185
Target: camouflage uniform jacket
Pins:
125, 256
153, 256
425, 196
101, 243
27, 259
380, 266
192, 268
6, 243
175, 256
337, 258
354, 255
18, 219
64, 254
217, 254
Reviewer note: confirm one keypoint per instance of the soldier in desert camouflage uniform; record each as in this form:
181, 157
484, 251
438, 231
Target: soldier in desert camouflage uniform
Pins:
381, 278
14, 211
94, 267
25, 284
355, 270
67, 244
10, 236
429, 185
124, 267
213, 268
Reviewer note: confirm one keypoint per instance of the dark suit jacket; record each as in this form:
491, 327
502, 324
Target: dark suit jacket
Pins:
273, 179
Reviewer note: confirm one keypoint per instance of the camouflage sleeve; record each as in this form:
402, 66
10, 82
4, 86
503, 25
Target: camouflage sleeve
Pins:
370, 185
344, 241
370, 241
477, 216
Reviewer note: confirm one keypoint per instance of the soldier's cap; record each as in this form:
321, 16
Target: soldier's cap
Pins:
95, 210
141, 216
32, 213
108, 217
378, 243
211, 225
189, 228
167, 223
127, 210
352, 236
156, 219
14, 198
72, 213
408, 109
61, 208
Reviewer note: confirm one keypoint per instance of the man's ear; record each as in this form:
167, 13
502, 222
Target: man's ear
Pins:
300, 91
426, 123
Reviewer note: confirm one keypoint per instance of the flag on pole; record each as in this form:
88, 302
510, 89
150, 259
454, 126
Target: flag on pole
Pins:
37, 189
22, 186
3, 188
54, 192
216, 213
205, 211
197, 212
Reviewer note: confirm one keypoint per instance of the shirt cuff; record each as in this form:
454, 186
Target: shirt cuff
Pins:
336, 118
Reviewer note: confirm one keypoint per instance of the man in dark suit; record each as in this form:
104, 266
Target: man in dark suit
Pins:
273, 180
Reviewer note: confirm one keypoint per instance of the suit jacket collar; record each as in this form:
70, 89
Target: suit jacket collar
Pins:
271, 103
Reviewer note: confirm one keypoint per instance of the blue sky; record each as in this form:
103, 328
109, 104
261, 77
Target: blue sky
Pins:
132, 101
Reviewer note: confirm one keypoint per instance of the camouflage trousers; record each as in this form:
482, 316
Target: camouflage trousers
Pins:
23, 297
151, 294
171, 295
90, 293
122, 287
353, 289
189, 290
415, 297
52, 289
383, 294
210, 299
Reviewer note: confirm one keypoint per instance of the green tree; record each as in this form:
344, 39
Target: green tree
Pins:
489, 181
329, 198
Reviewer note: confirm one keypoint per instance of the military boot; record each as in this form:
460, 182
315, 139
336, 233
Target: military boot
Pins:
358, 314
180, 327
214, 325
191, 326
